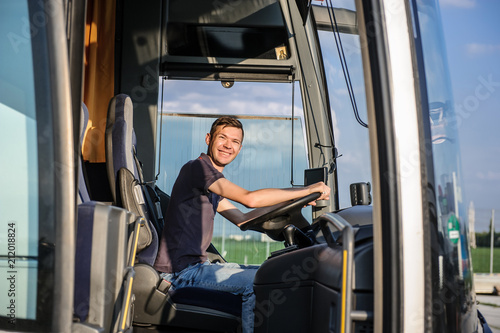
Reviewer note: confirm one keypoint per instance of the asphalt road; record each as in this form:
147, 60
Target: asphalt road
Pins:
489, 306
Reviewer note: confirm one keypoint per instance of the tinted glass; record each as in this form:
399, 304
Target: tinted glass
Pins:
26, 163
351, 138
19, 167
189, 109
236, 29
450, 247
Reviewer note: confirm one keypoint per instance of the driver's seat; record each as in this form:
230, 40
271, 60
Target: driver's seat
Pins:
155, 303
192, 308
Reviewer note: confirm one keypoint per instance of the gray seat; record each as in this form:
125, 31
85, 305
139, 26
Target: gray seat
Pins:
102, 269
125, 173
103, 265
193, 308
120, 140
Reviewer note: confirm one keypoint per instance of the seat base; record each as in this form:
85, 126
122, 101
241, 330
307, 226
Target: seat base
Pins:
186, 308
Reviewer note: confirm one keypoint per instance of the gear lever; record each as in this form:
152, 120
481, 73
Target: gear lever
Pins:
289, 235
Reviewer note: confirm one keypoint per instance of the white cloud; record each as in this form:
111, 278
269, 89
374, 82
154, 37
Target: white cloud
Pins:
249, 107
341, 92
458, 3
185, 107
269, 90
480, 49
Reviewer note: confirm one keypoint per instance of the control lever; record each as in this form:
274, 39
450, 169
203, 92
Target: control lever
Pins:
296, 237
289, 235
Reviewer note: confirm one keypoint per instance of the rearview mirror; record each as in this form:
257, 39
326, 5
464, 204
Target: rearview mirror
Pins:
315, 175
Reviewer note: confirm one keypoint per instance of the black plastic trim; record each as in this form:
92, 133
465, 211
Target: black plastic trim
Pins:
226, 72
430, 227
390, 214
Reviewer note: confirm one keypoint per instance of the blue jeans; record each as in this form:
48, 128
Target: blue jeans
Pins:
229, 277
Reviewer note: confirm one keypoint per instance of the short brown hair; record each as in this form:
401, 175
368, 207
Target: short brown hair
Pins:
227, 121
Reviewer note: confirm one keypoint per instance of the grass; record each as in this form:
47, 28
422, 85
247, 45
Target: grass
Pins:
246, 251
255, 252
481, 260
490, 304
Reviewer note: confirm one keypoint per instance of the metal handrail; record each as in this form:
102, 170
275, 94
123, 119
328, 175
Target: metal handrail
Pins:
347, 263
129, 276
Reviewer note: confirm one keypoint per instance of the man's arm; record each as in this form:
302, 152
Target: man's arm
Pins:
236, 216
267, 196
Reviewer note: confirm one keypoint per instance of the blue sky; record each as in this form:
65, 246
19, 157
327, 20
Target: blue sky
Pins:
472, 34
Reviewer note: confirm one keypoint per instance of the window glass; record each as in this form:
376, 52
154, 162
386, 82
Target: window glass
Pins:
351, 138
189, 109
19, 167
249, 30
454, 266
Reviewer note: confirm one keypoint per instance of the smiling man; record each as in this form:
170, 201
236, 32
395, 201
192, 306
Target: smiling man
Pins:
199, 192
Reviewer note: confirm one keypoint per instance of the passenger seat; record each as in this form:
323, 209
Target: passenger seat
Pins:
103, 266
126, 179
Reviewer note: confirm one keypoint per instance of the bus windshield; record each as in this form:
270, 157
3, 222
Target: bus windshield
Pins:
270, 156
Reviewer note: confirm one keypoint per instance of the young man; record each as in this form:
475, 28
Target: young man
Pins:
201, 190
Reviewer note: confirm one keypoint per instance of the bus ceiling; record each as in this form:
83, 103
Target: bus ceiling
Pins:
247, 41
250, 41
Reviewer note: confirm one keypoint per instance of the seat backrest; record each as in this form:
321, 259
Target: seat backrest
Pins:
120, 140
101, 253
130, 197
125, 175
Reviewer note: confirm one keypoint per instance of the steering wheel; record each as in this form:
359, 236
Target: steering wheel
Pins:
274, 222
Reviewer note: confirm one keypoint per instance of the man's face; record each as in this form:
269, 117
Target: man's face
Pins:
225, 145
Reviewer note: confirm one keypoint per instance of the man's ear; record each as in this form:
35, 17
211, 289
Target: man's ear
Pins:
207, 139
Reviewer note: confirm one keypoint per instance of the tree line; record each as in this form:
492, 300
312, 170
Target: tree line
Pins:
483, 239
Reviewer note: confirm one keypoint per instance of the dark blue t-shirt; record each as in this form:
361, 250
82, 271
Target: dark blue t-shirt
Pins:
189, 221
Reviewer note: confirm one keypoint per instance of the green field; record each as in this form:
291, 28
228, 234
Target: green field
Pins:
255, 252
481, 260
246, 251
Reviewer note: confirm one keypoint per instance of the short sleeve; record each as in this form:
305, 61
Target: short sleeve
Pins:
204, 173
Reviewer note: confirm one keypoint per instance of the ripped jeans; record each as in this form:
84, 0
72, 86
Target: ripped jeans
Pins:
229, 277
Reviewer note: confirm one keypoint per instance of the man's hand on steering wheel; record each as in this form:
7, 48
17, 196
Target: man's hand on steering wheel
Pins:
322, 189
280, 215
